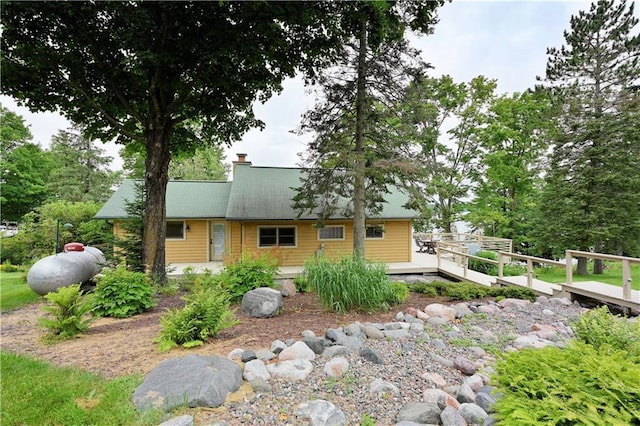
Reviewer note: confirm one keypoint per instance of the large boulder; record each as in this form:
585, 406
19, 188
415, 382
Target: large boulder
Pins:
262, 302
194, 380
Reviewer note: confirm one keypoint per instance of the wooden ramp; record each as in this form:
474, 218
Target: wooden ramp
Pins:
604, 292
540, 287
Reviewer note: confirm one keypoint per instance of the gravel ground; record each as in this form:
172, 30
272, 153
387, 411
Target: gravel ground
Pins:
406, 363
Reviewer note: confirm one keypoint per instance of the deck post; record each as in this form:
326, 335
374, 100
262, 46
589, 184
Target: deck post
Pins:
529, 273
626, 280
438, 256
568, 266
500, 265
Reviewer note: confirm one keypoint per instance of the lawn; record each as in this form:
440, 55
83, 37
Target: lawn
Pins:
611, 275
14, 291
37, 393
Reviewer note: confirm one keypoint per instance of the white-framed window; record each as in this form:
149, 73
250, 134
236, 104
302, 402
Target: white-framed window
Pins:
374, 232
282, 236
175, 230
331, 232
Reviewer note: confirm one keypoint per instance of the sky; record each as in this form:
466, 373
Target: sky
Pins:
502, 40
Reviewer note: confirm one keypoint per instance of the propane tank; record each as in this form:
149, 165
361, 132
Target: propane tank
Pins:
75, 265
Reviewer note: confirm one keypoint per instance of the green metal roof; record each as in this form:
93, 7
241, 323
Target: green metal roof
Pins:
265, 193
185, 200
256, 193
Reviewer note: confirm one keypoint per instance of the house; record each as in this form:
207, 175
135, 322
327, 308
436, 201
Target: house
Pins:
215, 221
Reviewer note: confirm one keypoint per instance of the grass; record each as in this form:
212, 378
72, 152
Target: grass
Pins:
14, 291
612, 275
37, 393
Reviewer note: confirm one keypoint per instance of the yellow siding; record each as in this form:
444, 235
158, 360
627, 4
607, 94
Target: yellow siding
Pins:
194, 248
395, 246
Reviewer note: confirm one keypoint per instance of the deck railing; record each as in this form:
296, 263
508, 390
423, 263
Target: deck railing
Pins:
505, 258
462, 239
626, 267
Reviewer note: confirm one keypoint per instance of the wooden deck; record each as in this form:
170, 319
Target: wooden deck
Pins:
425, 263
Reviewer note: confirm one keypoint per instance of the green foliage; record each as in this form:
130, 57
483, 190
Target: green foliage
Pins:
131, 245
206, 163
121, 293
605, 331
351, 283
248, 273
367, 420
484, 267
576, 385
68, 311
8, 267
14, 291
38, 393
302, 284
399, 293
469, 291
612, 275
204, 316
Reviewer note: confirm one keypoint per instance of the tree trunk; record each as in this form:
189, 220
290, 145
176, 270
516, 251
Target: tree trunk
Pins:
582, 266
359, 200
156, 178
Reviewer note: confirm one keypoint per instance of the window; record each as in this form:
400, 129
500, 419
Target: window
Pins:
175, 230
374, 232
277, 236
335, 232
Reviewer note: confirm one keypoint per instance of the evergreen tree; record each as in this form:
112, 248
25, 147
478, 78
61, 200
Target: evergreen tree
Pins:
355, 156
81, 171
130, 245
591, 199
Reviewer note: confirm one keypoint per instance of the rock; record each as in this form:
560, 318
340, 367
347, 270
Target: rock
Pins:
320, 413
419, 412
277, 346
435, 379
287, 288
380, 387
437, 321
422, 316
560, 301
487, 309
298, 350
308, 333
441, 311
461, 310
255, 369
396, 334
248, 355
450, 417
335, 350
439, 397
185, 420
439, 344
485, 401
466, 366
465, 394
194, 380
294, 370
475, 382
472, 414
235, 354
412, 311
260, 385
316, 344
335, 334
371, 355
265, 355
513, 303
353, 329
336, 367
442, 360
372, 332
400, 316
262, 302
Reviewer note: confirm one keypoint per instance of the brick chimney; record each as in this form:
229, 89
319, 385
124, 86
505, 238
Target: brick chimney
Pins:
242, 159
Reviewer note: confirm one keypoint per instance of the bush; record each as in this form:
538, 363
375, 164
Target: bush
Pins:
469, 291
205, 315
8, 267
69, 313
484, 267
351, 283
302, 284
122, 293
513, 292
247, 274
576, 385
603, 330
426, 289
399, 293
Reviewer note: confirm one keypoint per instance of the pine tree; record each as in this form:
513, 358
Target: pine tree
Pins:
131, 243
591, 200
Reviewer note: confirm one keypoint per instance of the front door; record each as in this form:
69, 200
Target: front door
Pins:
216, 240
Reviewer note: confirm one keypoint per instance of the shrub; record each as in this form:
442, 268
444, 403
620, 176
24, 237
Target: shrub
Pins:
469, 291
426, 289
603, 330
576, 385
8, 267
351, 283
122, 293
302, 284
68, 312
247, 274
484, 267
205, 315
399, 293
513, 270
